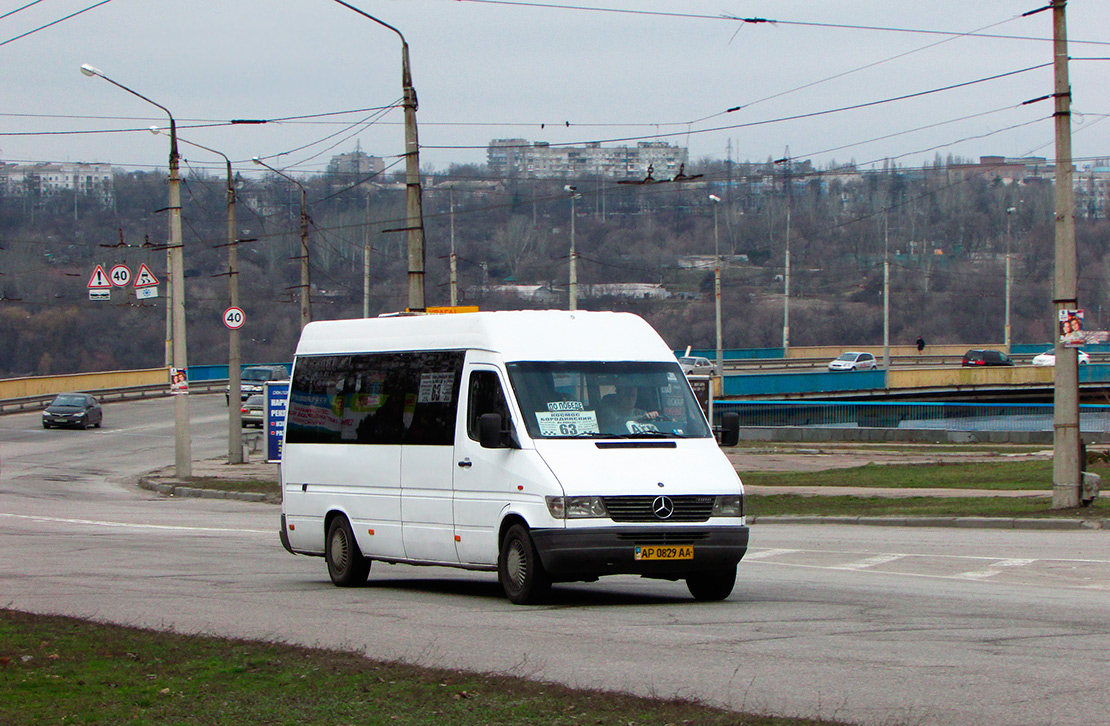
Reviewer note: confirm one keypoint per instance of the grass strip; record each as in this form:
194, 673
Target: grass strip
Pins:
757, 505
64, 670
1009, 475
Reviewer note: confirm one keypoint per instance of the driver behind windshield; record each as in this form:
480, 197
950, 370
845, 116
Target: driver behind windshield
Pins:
620, 407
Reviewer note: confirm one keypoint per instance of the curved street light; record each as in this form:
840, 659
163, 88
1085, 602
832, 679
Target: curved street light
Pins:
183, 465
306, 301
413, 200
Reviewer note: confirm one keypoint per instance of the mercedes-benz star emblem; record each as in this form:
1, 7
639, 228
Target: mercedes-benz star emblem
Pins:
662, 507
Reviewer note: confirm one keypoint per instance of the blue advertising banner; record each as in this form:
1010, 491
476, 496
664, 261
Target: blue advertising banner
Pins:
277, 402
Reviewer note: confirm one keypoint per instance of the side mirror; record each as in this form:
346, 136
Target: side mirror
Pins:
489, 431
730, 429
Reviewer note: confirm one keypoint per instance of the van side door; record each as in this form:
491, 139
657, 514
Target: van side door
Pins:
484, 485
431, 393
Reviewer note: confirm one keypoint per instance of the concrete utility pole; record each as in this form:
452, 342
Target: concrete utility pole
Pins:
573, 253
413, 198
234, 384
786, 263
1009, 276
1066, 470
183, 461
717, 284
454, 257
886, 289
306, 284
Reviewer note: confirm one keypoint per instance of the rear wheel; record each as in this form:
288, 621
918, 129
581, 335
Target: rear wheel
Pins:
346, 565
710, 586
519, 568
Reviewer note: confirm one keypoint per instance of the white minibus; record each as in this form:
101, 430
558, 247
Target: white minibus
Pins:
548, 446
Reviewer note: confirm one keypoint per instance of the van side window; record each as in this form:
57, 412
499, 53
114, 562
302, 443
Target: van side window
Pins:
485, 396
380, 398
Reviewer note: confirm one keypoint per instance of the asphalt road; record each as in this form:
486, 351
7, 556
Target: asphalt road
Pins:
872, 625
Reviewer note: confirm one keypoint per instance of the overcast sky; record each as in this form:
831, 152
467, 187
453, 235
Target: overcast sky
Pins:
559, 72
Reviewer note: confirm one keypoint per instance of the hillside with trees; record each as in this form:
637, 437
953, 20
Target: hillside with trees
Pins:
946, 236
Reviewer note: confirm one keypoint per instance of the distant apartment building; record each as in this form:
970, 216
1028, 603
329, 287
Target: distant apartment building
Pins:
355, 167
47, 180
539, 160
1006, 169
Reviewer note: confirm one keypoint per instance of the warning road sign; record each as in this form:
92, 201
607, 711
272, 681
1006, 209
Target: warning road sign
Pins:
145, 278
99, 279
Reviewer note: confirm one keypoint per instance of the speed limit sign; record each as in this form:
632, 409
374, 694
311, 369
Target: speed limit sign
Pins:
234, 318
120, 275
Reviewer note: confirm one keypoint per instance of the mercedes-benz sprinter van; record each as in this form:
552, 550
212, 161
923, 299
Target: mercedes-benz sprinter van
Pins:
548, 446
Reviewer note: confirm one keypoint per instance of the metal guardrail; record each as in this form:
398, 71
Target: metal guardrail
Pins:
37, 403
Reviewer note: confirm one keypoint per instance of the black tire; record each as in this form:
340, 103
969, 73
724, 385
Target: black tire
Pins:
712, 586
346, 565
45, 425
519, 569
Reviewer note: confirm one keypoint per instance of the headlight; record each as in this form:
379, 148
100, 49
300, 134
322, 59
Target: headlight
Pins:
729, 505
576, 507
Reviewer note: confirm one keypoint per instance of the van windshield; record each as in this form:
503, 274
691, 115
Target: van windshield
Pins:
623, 399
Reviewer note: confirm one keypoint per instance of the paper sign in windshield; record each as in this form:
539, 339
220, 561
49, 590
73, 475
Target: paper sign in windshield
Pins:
566, 418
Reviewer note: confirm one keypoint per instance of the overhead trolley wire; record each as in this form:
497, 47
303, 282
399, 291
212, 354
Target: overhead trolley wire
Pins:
52, 23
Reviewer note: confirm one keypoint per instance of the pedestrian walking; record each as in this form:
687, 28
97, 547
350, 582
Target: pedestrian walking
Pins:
920, 344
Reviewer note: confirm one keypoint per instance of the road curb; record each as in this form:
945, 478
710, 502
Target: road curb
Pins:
178, 490
959, 522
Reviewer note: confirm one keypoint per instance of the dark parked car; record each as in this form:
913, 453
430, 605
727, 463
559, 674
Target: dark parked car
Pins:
253, 380
79, 410
979, 357
253, 410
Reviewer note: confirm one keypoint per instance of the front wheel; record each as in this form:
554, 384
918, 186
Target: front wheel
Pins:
711, 586
519, 568
346, 565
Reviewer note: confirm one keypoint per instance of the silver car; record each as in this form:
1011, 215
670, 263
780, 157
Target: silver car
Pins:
854, 361
697, 366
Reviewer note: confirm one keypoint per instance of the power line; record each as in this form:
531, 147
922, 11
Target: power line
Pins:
767, 21
53, 23
13, 12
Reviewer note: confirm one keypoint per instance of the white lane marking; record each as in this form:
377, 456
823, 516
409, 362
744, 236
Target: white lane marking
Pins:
996, 569
869, 562
133, 525
761, 554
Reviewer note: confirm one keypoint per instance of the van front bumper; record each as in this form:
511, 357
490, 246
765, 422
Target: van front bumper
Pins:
583, 554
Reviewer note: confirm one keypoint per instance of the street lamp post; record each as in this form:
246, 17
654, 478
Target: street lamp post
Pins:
306, 301
234, 357
413, 199
717, 283
183, 465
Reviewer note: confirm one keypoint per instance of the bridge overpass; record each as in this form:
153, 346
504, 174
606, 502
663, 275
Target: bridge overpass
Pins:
750, 374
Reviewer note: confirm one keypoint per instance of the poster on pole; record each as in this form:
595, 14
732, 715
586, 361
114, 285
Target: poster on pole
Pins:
179, 381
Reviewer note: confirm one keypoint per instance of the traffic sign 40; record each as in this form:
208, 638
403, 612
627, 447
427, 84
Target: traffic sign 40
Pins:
234, 318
